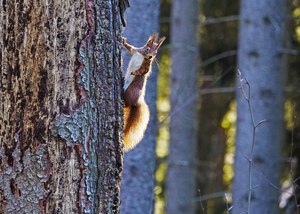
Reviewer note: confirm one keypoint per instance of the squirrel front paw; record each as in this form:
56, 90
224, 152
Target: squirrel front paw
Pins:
124, 40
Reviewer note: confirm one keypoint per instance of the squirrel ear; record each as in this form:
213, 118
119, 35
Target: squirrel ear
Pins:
152, 39
161, 40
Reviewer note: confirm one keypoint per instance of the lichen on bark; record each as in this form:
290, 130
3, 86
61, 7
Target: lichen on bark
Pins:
60, 109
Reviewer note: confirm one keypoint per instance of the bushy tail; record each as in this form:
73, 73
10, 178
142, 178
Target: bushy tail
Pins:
136, 119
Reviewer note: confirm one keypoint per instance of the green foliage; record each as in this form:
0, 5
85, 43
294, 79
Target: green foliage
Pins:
162, 146
228, 123
160, 177
289, 116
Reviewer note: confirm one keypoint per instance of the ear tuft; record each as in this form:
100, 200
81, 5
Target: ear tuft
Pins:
152, 39
161, 40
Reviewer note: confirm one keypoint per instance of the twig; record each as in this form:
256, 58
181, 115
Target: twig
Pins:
247, 96
289, 51
294, 184
228, 209
210, 21
210, 196
260, 172
202, 207
179, 108
207, 21
281, 190
218, 57
220, 90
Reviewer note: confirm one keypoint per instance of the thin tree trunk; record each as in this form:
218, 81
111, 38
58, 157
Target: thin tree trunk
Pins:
137, 190
181, 181
60, 107
261, 62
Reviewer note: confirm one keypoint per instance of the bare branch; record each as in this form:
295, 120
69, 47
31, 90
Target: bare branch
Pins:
244, 82
261, 122
210, 21
222, 90
228, 209
289, 51
200, 200
213, 195
218, 57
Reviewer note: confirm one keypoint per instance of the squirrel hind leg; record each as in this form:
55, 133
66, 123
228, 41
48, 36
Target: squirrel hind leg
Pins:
136, 119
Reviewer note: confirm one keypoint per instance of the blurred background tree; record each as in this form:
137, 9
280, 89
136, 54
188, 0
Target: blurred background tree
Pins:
260, 97
218, 32
137, 188
181, 176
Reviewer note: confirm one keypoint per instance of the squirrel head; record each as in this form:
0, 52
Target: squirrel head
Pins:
150, 49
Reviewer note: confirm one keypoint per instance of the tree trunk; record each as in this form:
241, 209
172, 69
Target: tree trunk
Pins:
181, 181
137, 191
61, 113
261, 40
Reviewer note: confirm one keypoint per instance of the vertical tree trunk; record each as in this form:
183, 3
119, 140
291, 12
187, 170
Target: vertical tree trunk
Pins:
181, 181
137, 190
261, 40
60, 107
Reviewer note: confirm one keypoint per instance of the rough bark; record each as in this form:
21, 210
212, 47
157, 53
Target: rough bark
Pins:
181, 181
137, 190
261, 40
60, 108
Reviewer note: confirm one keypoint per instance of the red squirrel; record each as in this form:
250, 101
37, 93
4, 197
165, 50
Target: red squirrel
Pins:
136, 111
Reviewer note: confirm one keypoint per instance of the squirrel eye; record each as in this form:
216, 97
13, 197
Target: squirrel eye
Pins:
147, 49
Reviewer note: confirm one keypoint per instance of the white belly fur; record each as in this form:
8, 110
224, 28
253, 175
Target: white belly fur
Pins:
134, 64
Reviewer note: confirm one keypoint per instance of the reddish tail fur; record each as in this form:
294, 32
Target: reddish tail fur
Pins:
136, 120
